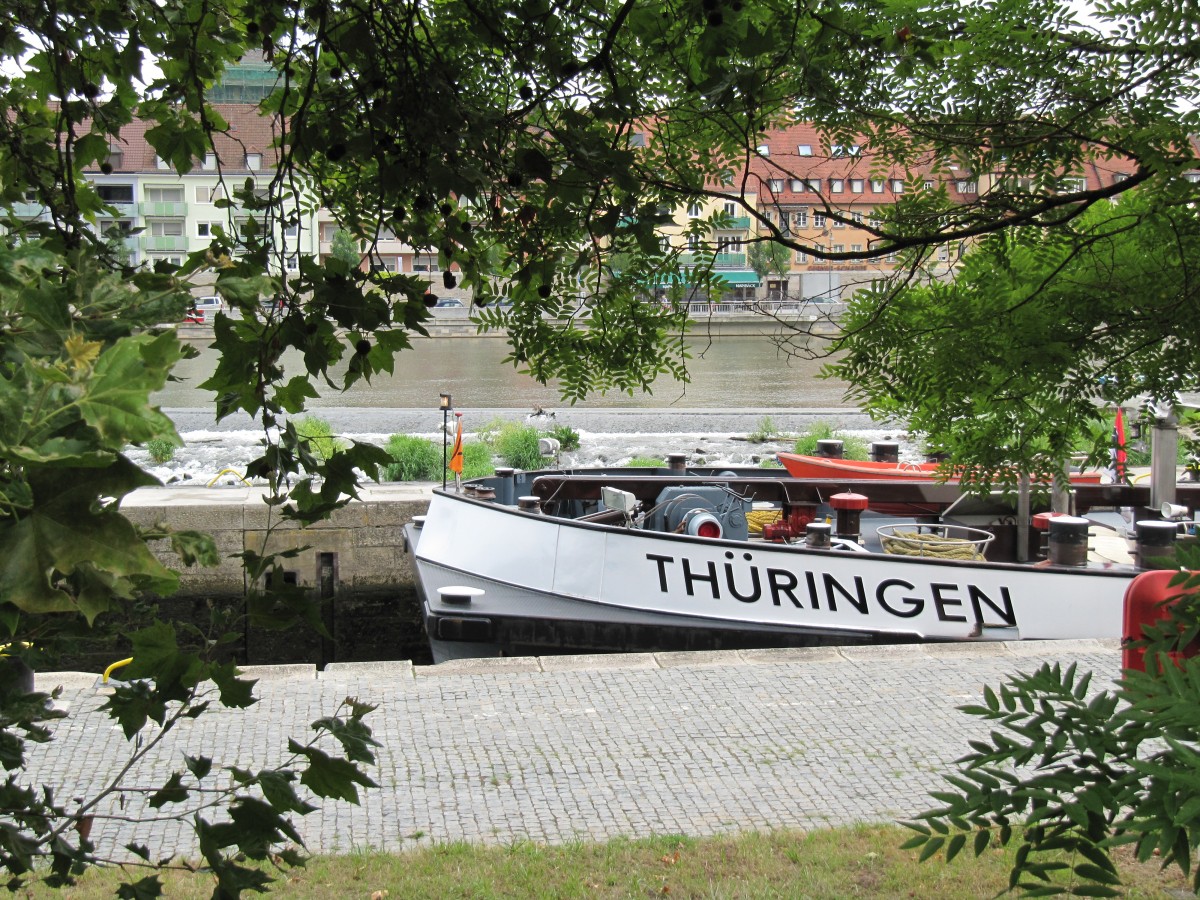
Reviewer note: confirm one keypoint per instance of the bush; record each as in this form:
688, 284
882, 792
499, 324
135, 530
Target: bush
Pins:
161, 450
477, 461
852, 447
319, 436
416, 459
766, 431
646, 462
567, 437
517, 445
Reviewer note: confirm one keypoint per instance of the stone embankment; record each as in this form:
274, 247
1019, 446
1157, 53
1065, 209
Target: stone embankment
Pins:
355, 561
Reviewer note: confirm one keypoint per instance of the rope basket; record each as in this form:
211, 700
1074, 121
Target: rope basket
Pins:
935, 541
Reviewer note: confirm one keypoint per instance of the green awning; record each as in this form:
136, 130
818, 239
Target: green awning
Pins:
737, 277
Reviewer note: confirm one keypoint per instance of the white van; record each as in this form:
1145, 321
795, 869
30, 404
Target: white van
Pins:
207, 308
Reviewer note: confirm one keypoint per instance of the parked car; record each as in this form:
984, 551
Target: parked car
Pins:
449, 303
206, 308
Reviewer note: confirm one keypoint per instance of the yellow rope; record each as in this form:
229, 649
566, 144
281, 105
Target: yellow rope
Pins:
757, 518
912, 543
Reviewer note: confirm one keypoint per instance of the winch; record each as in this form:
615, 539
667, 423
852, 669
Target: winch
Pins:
704, 511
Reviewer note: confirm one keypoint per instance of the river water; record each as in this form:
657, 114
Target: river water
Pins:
726, 373
738, 385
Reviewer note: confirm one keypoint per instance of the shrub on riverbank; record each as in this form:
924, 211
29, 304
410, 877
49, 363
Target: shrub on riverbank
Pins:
514, 443
161, 450
852, 447
420, 459
416, 459
319, 435
646, 462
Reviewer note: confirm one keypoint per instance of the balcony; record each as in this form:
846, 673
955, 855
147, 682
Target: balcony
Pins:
737, 223
164, 210
720, 260
28, 210
155, 242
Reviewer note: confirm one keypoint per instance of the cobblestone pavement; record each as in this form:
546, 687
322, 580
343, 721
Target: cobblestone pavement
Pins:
563, 748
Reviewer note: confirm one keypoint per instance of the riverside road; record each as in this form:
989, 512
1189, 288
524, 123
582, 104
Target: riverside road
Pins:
555, 749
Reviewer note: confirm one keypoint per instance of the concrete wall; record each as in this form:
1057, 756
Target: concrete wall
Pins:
355, 561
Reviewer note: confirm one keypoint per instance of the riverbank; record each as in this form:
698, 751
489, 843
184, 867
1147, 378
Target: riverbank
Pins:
607, 436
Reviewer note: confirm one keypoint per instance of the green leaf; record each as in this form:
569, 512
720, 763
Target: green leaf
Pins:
327, 776
236, 693
172, 792
199, 766
116, 399
142, 889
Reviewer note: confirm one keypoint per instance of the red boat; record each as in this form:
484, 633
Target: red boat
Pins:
800, 466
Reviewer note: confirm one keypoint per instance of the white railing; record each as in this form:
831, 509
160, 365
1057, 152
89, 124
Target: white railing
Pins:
783, 308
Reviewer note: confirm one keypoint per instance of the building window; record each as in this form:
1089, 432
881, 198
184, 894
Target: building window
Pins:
115, 227
814, 185
730, 208
637, 139
1193, 177
818, 220
797, 185
1074, 185
801, 218
801, 257
292, 231
207, 229
292, 263
164, 194
836, 185
210, 161
775, 185
205, 193
856, 217
876, 185
425, 262
856, 248
161, 164
173, 259
856, 185
253, 161
166, 227
842, 150
838, 223
693, 210
764, 150
839, 248
116, 156
804, 149
943, 254
967, 187
729, 245
385, 264
897, 186
328, 230
115, 193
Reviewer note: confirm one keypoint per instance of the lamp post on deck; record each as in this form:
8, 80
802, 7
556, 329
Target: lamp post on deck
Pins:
444, 404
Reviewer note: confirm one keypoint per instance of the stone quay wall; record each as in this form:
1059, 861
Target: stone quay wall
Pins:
355, 562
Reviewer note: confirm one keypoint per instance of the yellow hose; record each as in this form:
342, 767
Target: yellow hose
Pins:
116, 665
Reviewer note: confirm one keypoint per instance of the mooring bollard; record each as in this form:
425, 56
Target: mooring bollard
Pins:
1068, 541
1155, 547
830, 449
885, 451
